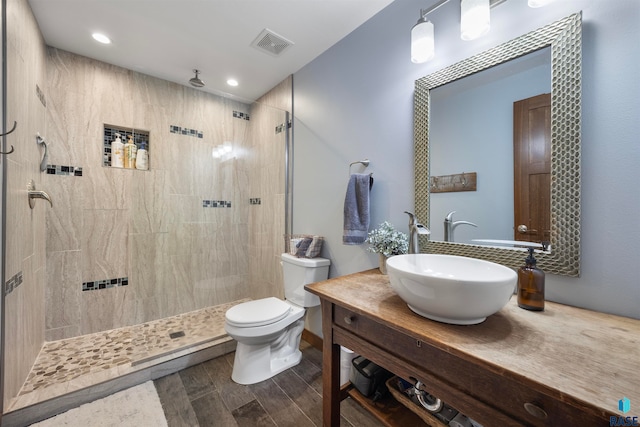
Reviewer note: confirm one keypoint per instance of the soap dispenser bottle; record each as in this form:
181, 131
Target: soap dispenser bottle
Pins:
531, 285
130, 150
142, 157
117, 153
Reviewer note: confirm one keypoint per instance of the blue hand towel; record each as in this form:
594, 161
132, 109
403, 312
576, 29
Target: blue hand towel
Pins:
356, 209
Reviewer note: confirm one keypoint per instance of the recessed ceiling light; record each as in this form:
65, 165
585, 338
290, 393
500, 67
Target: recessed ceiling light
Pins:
232, 82
101, 38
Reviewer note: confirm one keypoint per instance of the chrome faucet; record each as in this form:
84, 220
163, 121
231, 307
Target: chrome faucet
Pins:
415, 229
450, 225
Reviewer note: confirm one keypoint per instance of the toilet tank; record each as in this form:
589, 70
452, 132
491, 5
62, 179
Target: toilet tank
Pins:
298, 272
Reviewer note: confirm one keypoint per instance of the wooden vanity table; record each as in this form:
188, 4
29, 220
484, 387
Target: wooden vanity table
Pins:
561, 367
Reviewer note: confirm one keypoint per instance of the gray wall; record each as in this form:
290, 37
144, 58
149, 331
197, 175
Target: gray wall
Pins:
355, 101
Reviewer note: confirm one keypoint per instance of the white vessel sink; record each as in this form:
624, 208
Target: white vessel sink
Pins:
451, 289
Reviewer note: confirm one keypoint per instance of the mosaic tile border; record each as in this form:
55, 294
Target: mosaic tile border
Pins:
13, 283
105, 284
216, 203
41, 96
255, 201
64, 170
241, 115
185, 131
109, 135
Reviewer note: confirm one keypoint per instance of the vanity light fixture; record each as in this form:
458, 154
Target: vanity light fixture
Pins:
538, 3
422, 38
475, 18
101, 38
475, 21
423, 45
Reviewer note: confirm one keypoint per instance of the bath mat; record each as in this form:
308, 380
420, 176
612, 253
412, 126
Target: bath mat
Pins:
134, 407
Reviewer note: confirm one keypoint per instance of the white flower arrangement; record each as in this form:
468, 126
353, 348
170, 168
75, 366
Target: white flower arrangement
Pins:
388, 241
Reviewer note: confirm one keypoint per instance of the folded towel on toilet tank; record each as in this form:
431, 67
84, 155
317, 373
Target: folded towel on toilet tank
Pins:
302, 246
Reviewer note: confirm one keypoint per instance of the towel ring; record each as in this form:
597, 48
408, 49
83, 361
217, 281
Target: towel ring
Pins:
364, 162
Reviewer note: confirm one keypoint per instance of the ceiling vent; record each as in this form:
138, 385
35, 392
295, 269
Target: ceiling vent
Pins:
271, 43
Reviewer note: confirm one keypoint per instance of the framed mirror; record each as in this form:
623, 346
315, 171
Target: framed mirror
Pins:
564, 39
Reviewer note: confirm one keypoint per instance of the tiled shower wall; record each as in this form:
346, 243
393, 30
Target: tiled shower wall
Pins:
153, 227
25, 232
267, 175
147, 226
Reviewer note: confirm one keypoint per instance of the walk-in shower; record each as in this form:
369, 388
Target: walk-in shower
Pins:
124, 247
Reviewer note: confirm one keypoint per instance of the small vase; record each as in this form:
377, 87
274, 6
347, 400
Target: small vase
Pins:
383, 263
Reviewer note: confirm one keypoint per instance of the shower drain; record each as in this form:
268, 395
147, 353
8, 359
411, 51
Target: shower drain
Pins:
174, 335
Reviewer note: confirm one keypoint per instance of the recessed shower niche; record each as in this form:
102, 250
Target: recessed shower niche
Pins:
125, 148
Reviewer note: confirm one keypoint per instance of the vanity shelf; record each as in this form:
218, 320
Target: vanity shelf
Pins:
388, 410
562, 366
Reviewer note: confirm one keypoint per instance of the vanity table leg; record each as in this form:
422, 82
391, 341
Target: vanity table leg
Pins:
330, 369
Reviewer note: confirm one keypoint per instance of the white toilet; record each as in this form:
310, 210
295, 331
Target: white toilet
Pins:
268, 330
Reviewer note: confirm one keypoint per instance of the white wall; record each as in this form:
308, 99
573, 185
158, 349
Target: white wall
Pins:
356, 101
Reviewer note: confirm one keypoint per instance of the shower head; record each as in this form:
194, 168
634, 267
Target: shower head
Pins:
196, 81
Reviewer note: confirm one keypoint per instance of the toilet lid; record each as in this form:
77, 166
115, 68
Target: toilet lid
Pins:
257, 313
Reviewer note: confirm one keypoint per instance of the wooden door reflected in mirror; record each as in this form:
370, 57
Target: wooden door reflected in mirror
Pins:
532, 168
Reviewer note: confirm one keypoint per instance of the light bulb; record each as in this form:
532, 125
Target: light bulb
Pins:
538, 3
475, 18
422, 41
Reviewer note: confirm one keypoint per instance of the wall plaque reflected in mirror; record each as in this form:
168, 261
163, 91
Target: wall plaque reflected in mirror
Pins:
563, 40
465, 181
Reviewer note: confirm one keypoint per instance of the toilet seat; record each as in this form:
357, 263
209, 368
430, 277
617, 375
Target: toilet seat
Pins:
257, 313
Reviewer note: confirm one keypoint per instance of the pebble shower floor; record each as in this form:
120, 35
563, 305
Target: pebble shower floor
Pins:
61, 362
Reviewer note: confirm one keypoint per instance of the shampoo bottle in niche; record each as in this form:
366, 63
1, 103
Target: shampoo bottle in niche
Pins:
130, 150
531, 285
142, 157
117, 153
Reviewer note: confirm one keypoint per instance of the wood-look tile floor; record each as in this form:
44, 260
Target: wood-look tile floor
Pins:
204, 395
